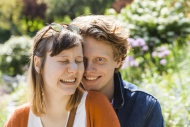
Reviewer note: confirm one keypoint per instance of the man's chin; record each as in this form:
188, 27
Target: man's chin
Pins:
90, 89
90, 86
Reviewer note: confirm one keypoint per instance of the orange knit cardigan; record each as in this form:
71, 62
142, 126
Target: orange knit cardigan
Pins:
99, 113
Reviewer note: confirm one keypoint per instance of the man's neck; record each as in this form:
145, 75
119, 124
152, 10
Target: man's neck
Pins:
108, 91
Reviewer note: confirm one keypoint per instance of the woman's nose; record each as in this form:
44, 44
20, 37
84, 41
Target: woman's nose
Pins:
73, 68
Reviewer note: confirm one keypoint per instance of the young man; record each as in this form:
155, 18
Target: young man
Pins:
105, 48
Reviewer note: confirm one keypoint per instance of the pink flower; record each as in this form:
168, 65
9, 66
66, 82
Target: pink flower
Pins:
163, 61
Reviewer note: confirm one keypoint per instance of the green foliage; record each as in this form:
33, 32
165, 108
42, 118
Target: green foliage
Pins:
183, 5
9, 19
60, 8
17, 22
23, 21
3, 110
154, 21
14, 55
32, 20
31, 26
173, 96
156, 29
5, 34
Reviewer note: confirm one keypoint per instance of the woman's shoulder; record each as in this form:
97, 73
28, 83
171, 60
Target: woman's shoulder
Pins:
96, 95
24, 108
100, 113
95, 98
21, 113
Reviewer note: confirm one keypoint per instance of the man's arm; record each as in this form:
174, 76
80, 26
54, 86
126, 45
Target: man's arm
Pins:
155, 118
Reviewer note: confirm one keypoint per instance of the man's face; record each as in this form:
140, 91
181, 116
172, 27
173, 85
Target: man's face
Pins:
100, 66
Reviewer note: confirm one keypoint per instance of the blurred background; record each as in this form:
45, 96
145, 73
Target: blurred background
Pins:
158, 62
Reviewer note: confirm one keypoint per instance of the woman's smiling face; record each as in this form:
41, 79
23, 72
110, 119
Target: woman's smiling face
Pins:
62, 73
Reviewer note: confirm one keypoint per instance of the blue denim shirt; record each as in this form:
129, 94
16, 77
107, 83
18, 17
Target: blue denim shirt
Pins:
134, 107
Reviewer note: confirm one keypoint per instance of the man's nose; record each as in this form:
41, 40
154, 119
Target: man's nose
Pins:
89, 67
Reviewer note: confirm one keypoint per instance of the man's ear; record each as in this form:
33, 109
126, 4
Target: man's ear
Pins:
37, 63
118, 63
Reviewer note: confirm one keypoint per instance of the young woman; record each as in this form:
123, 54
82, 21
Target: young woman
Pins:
56, 70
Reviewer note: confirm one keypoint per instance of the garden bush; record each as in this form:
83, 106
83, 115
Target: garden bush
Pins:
154, 21
156, 29
172, 91
14, 55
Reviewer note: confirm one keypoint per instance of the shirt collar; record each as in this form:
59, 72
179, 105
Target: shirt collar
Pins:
118, 99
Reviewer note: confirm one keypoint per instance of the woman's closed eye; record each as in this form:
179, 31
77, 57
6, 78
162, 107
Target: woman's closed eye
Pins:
63, 61
68, 61
79, 60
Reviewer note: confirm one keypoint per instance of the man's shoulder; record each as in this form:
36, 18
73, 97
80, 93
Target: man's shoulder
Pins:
131, 87
133, 91
137, 101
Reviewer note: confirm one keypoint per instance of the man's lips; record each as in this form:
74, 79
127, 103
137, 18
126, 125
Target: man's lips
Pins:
91, 78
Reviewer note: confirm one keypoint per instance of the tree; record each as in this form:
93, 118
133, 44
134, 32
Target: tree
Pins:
33, 15
9, 19
58, 9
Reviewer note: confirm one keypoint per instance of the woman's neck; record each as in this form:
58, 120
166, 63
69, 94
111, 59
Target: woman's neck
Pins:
56, 113
56, 105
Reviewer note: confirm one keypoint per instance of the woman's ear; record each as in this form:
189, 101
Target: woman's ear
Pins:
37, 63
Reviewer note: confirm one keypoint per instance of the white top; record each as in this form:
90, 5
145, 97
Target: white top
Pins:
80, 117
